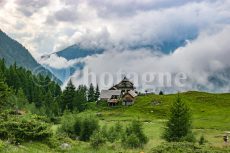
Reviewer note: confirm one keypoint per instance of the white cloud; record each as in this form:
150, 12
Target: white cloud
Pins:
199, 59
46, 26
151, 22
57, 62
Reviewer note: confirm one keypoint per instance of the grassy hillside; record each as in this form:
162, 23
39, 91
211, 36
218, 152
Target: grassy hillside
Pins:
210, 118
208, 110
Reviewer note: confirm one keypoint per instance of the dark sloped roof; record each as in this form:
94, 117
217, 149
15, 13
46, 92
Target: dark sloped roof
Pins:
124, 84
106, 94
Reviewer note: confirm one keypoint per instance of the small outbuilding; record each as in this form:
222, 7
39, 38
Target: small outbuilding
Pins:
128, 98
111, 96
124, 91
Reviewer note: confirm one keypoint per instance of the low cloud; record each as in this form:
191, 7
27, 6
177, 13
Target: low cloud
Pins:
137, 36
57, 62
199, 60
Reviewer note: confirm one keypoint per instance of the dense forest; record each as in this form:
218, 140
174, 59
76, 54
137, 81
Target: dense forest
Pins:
39, 94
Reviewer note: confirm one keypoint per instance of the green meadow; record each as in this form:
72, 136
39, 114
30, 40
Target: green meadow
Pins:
210, 115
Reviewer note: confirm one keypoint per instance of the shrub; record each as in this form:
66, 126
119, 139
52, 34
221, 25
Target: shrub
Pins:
132, 141
88, 126
176, 147
202, 140
115, 132
67, 124
24, 128
161, 93
134, 135
179, 125
77, 126
112, 134
97, 139
2, 145
81, 126
57, 140
186, 147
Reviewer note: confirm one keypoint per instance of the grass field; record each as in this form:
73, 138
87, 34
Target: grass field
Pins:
210, 113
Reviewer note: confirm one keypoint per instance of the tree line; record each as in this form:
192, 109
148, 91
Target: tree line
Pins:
21, 89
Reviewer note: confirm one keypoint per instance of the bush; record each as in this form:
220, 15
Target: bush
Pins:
67, 124
97, 139
202, 140
112, 135
132, 141
134, 136
179, 125
81, 126
22, 128
161, 93
88, 126
186, 147
57, 140
2, 145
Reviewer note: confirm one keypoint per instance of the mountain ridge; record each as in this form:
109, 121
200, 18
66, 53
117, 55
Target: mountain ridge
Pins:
14, 52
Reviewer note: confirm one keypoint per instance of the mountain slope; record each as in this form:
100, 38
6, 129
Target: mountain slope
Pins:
76, 51
12, 52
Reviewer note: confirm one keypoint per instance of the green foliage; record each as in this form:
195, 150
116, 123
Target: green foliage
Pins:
4, 93
68, 121
161, 93
114, 133
132, 141
2, 145
81, 126
80, 98
186, 147
134, 136
88, 126
97, 139
72, 99
22, 88
202, 140
91, 93
68, 97
20, 128
179, 124
57, 140
97, 93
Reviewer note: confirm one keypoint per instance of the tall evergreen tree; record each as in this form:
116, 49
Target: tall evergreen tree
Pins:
91, 93
4, 93
97, 93
21, 100
179, 125
48, 104
68, 97
80, 99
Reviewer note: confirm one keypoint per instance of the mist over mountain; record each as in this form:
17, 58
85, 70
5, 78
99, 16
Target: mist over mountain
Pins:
107, 37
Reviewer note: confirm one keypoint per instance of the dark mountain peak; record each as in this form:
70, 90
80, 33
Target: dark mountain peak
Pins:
76, 51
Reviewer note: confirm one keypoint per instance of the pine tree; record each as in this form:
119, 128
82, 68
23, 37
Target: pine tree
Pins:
97, 93
48, 105
21, 100
4, 93
80, 98
68, 97
91, 93
178, 127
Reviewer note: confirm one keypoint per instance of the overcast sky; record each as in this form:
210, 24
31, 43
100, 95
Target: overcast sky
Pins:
46, 26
